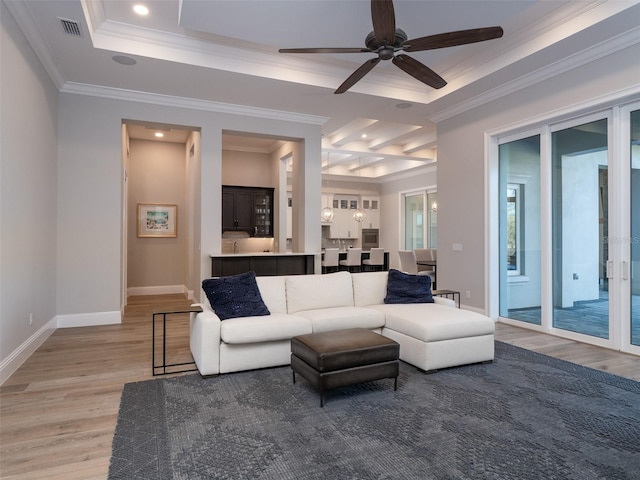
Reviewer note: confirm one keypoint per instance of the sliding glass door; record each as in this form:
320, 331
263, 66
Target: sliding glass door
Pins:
520, 274
580, 226
566, 244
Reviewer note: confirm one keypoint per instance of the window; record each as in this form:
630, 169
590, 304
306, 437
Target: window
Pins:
514, 228
420, 219
413, 221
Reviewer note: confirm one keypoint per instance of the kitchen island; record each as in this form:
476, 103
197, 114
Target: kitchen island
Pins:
264, 264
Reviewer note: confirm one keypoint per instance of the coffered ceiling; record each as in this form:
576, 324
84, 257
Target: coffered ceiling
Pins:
220, 54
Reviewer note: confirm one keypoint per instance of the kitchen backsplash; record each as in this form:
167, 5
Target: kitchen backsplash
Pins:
247, 245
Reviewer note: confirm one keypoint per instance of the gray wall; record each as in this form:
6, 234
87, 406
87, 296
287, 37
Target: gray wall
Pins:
28, 223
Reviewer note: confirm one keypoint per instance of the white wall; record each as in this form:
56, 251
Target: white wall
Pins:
461, 175
28, 119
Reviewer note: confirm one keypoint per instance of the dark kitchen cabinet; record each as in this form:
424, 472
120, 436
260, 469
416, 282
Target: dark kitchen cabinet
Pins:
248, 209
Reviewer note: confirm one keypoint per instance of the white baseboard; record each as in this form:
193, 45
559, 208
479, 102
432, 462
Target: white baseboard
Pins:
157, 290
88, 319
10, 364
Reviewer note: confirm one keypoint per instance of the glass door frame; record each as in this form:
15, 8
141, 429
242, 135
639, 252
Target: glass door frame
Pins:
623, 115
618, 153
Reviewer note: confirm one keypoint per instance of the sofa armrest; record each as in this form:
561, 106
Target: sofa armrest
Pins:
205, 340
444, 301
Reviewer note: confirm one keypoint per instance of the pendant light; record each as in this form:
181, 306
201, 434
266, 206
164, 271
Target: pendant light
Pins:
359, 214
326, 214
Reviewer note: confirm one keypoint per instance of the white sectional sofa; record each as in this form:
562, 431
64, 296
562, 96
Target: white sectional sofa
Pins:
431, 335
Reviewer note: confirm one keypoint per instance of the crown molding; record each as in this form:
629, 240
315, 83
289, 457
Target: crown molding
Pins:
190, 103
619, 97
603, 49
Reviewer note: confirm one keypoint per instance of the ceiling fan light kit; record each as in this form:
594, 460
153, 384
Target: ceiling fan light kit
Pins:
389, 43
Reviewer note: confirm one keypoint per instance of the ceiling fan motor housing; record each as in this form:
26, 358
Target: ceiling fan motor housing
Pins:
386, 51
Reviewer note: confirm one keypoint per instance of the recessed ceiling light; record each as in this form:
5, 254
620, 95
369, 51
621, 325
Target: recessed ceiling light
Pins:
404, 105
159, 134
141, 10
364, 135
123, 60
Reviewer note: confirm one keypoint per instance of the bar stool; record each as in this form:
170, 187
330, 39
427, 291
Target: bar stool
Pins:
353, 261
330, 260
375, 260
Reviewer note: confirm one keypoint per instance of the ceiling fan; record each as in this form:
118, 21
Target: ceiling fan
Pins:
386, 41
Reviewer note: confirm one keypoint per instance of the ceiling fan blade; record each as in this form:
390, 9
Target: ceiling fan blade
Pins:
419, 71
324, 50
452, 39
384, 21
357, 75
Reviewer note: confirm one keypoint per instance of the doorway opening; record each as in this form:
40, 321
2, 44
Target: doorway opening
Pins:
161, 165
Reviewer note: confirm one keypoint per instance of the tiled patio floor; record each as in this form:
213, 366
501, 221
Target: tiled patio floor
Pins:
587, 317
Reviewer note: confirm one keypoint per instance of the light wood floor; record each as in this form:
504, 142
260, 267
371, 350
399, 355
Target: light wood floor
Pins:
58, 411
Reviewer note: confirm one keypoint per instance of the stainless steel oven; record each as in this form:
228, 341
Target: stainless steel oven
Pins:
370, 238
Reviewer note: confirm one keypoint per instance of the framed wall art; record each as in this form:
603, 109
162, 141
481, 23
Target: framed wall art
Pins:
157, 220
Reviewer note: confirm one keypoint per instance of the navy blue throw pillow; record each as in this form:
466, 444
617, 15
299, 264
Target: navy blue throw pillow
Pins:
405, 288
235, 296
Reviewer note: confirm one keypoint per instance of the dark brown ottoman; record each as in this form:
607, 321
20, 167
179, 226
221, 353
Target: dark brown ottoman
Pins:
340, 358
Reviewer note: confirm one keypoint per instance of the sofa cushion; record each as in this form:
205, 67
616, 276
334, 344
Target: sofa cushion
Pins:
274, 293
340, 318
405, 288
235, 296
369, 288
277, 326
433, 322
311, 292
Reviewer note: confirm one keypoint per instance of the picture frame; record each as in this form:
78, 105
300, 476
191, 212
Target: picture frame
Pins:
157, 220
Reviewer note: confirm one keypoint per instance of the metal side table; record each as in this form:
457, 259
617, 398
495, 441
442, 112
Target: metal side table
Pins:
161, 369
450, 294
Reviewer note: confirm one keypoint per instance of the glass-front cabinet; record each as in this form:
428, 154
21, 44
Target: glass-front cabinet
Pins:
263, 216
247, 209
371, 207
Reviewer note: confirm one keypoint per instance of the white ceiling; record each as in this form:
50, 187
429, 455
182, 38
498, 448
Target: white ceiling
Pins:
225, 52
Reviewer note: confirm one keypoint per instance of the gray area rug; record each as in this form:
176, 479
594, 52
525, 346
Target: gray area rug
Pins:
524, 416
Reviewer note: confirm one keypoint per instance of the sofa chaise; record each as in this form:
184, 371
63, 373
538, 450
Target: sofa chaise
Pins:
431, 335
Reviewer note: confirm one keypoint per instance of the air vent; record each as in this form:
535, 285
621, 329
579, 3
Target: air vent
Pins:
70, 27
